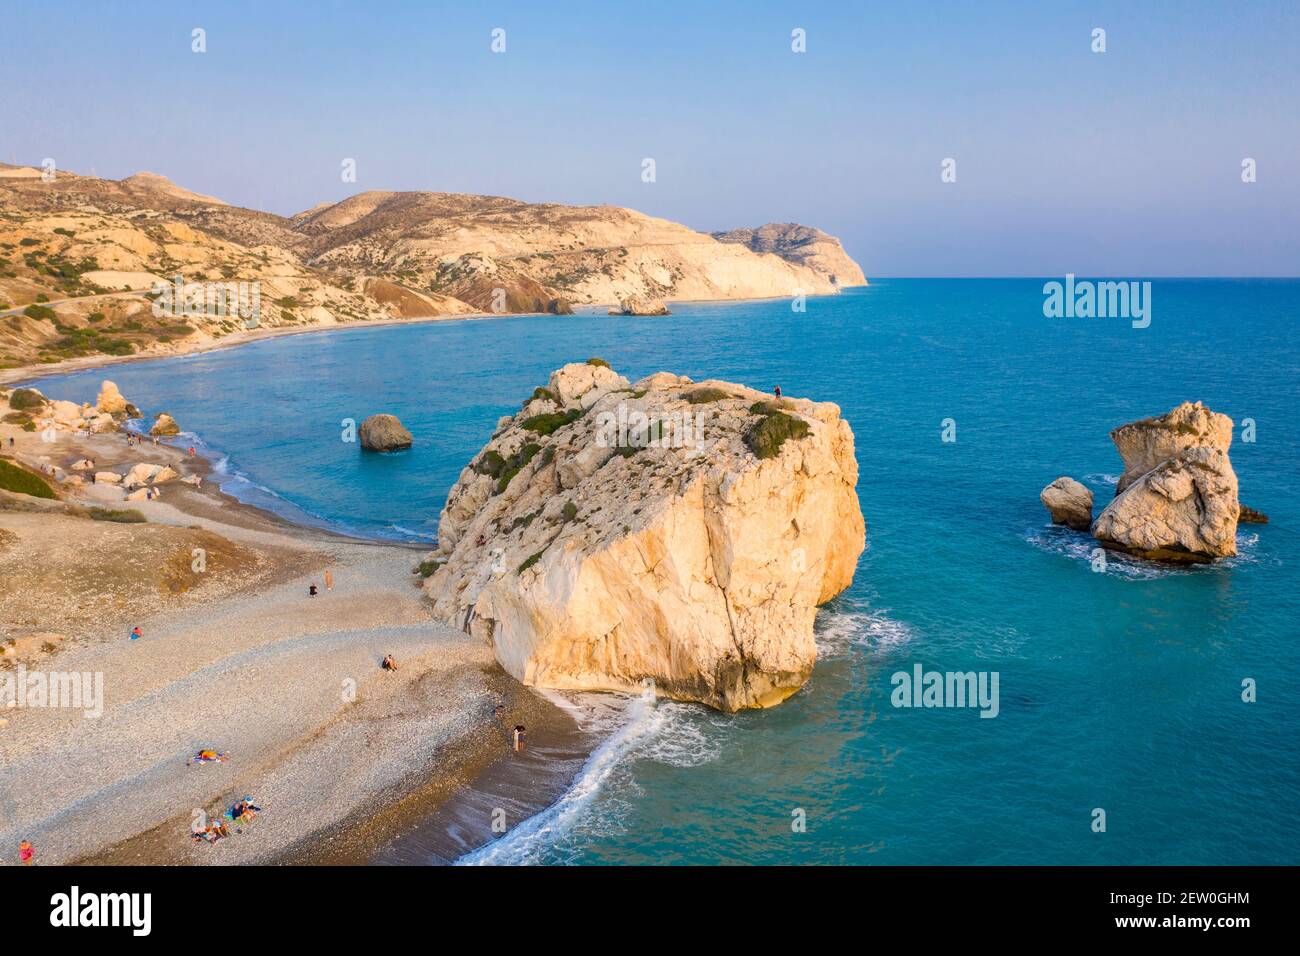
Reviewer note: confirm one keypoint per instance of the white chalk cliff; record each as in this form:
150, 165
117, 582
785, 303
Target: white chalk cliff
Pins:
682, 533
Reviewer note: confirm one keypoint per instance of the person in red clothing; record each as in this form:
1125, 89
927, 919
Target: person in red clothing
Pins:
25, 853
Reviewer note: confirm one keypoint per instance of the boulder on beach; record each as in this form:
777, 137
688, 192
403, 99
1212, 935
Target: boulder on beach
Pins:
680, 535
148, 474
1069, 502
165, 425
107, 478
635, 305
384, 433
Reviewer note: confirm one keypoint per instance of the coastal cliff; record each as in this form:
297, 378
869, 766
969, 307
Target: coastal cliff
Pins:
83, 260
667, 531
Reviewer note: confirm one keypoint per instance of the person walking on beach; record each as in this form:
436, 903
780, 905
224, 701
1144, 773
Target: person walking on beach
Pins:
519, 737
311, 591
329, 580
25, 853
136, 633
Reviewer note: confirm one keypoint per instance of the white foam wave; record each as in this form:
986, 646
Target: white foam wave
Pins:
525, 843
838, 632
1078, 546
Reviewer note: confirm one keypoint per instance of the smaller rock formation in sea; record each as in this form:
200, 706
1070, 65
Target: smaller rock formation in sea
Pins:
670, 532
1177, 499
384, 433
1251, 516
1069, 502
634, 305
165, 426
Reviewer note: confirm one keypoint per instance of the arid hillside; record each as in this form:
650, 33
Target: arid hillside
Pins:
93, 267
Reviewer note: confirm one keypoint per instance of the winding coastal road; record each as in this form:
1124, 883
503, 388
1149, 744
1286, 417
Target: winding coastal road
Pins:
81, 298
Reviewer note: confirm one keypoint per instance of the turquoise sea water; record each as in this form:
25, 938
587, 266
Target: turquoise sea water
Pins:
1118, 690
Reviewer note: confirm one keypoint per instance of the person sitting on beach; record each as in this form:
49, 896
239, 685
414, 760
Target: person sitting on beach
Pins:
25, 850
219, 830
136, 633
388, 663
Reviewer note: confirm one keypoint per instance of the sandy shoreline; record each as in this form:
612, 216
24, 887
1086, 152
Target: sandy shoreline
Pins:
343, 757
34, 373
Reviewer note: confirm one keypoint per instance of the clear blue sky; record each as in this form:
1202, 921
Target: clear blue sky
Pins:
1121, 164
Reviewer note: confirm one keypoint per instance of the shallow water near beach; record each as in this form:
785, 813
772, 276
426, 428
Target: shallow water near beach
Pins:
1118, 690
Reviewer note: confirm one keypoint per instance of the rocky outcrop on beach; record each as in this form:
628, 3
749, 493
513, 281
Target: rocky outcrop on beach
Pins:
31, 409
384, 433
1177, 499
634, 305
165, 426
110, 400
1069, 503
613, 533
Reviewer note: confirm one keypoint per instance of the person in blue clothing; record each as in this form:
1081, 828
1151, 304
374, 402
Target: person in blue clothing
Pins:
136, 634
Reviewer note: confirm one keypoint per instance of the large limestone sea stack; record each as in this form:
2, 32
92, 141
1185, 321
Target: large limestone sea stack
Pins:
1177, 499
676, 532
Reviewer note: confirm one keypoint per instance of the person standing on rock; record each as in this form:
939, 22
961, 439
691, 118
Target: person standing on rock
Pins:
777, 390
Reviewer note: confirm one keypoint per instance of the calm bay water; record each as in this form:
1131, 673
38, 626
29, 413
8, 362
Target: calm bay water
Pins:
1119, 691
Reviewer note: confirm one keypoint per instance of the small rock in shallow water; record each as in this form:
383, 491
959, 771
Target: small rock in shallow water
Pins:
1069, 502
384, 433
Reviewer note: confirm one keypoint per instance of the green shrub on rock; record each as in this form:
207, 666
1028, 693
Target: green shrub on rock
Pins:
547, 422
766, 436
25, 398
